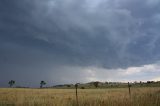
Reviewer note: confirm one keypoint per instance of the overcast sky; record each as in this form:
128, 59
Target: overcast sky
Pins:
69, 41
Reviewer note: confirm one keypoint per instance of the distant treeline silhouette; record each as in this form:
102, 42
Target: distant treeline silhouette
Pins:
95, 84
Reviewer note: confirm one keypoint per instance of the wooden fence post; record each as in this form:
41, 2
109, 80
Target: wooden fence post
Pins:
129, 87
76, 86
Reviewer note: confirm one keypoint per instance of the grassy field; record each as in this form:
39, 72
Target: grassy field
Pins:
86, 97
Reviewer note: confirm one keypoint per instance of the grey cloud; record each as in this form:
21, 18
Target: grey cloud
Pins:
107, 33
119, 26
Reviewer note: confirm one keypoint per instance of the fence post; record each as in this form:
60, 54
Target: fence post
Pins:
129, 87
76, 86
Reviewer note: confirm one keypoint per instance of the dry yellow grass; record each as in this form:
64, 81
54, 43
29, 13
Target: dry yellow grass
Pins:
87, 97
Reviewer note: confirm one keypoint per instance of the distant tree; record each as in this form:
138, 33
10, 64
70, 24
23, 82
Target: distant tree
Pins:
76, 85
141, 83
106, 82
11, 83
96, 84
68, 85
150, 82
42, 83
82, 87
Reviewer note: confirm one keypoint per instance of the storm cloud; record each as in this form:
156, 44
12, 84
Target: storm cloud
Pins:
68, 41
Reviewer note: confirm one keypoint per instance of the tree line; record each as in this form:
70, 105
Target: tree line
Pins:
96, 84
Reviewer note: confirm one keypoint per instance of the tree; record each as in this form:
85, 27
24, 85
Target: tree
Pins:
96, 84
11, 83
42, 83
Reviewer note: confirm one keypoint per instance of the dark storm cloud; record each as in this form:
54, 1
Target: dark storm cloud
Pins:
37, 37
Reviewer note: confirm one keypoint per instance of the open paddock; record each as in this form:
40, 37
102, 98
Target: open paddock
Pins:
86, 97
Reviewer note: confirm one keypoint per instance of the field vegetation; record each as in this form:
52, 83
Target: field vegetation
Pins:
140, 96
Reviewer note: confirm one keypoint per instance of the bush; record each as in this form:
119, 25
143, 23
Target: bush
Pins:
82, 87
68, 85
